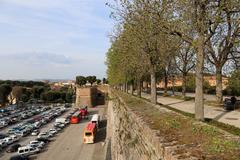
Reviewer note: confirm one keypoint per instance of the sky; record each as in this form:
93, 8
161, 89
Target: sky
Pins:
53, 39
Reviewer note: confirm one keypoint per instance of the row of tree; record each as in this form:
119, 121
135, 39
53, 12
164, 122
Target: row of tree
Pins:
81, 80
22, 83
156, 39
10, 92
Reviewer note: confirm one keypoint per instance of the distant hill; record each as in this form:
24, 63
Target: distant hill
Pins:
53, 80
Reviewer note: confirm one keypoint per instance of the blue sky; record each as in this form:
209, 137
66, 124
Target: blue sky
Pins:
55, 39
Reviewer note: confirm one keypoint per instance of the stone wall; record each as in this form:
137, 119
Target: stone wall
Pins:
86, 96
132, 139
91, 96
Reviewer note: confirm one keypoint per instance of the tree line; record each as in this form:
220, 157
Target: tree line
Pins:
158, 39
26, 91
82, 80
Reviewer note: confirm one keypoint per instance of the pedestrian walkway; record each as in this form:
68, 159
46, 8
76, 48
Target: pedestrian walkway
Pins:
216, 113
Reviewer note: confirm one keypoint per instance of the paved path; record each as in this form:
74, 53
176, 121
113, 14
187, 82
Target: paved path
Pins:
208, 97
216, 113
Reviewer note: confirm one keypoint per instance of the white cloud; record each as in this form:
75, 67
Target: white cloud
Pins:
76, 30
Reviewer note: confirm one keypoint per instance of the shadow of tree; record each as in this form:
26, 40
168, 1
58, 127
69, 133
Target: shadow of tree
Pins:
101, 134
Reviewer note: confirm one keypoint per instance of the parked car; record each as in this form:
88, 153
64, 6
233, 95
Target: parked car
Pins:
8, 140
14, 137
22, 133
2, 136
43, 135
53, 131
27, 150
19, 157
35, 132
35, 146
58, 129
13, 148
3, 143
39, 143
45, 140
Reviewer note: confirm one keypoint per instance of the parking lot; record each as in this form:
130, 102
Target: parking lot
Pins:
67, 143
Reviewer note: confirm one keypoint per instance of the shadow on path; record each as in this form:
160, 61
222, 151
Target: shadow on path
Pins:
101, 133
175, 102
220, 116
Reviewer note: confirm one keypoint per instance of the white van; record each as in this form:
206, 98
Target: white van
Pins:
27, 150
61, 120
95, 119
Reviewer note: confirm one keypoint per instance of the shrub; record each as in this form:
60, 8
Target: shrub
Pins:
234, 83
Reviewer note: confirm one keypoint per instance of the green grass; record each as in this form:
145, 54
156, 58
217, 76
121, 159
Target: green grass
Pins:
206, 139
226, 127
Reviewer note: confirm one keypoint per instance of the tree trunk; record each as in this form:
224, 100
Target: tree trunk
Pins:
131, 88
153, 85
219, 96
173, 85
126, 87
184, 79
165, 82
139, 86
199, 106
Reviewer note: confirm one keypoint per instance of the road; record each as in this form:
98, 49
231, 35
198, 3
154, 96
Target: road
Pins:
67, 144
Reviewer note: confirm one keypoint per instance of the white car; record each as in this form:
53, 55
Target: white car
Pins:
28, 150
52, 131
3, 143
35, 133
43, 135
8, 140
38, 143
14, 137
35, 146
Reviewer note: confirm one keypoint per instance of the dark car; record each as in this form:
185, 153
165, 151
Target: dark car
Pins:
13, 148
230, 104
19, 157
45, 140
2, 136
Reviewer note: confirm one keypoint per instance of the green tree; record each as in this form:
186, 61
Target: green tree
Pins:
37, 91
81, 80
17, 92
69, 96
24, 98
5, 90
234, 83
91, 79
104, 81
99, 81
52, 96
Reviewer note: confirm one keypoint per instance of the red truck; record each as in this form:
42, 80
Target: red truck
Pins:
84, 112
